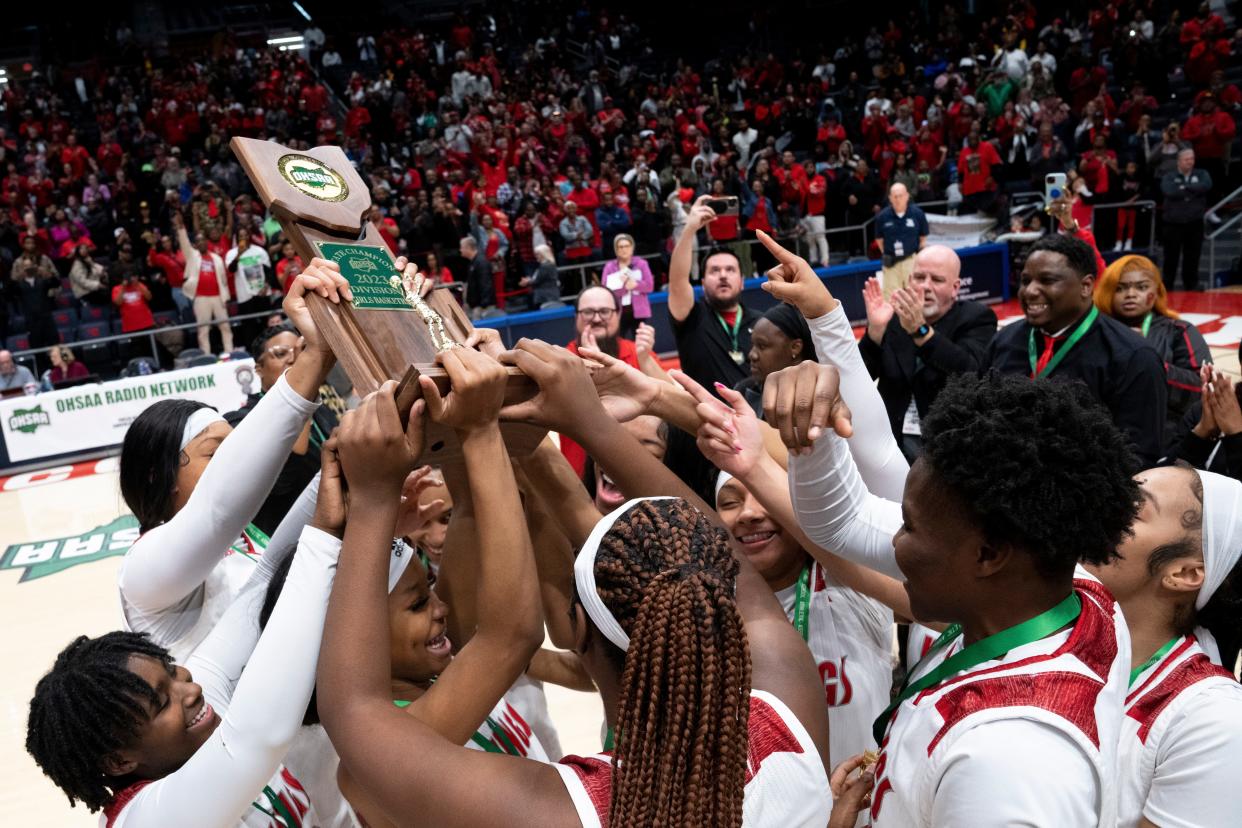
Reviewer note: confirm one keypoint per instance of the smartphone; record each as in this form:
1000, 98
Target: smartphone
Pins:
727, 206
1054, 187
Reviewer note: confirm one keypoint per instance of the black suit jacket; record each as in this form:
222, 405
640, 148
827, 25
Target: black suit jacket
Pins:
1120, 369
905, 370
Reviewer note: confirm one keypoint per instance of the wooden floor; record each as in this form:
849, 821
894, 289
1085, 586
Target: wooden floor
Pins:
51, 592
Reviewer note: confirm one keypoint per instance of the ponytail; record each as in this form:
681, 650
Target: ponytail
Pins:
668, 576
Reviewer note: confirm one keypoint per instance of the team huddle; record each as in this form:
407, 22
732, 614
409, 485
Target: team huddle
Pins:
379, 659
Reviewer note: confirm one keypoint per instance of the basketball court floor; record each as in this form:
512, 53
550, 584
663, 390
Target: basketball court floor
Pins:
63, 530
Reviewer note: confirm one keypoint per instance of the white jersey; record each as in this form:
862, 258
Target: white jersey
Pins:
527, 698
918, 643
507, 731
1181, 743
1027, 739
786, 786
849, 636
283, 803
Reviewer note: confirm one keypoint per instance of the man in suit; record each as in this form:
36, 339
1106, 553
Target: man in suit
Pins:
1064, 337
919, 337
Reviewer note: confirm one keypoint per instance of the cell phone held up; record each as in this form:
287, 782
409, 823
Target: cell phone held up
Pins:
725, 206
1054, 188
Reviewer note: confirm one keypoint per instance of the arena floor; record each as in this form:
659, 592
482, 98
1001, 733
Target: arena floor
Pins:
64, 530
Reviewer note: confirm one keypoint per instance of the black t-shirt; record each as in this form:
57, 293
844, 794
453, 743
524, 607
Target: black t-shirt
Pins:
704, 345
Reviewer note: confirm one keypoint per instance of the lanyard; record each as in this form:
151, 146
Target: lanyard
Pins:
1156, 656
1078, 334
987, 649
316, 433
610, 740
279, 812
802, 604
252, 543
1147, 323
732, 331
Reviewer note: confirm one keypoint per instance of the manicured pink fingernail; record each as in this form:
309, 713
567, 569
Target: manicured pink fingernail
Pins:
737, 449
718, 384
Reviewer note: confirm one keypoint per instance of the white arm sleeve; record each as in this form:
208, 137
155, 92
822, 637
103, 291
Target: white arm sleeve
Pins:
880, 462
837, 512
218, 783
1197, 762
1015, 774
173, 559
217, 663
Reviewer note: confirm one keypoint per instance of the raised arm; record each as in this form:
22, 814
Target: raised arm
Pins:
875, 450
680, 292
780, 661
405, 765
173, 559
261, 717
507, 607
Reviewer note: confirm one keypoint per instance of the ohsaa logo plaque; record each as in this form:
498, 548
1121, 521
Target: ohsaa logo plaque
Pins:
312, 177
29, 420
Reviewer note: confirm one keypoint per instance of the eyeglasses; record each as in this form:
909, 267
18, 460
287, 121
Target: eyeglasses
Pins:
604, 314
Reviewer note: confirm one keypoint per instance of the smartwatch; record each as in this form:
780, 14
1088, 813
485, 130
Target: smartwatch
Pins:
923, 331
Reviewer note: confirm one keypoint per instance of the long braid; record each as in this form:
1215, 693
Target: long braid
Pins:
668, 576
87, 707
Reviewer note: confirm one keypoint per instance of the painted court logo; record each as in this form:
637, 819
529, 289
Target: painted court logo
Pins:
29, 420
312, 177
43, 558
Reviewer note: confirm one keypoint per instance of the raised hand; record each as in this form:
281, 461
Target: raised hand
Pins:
644, 339
1225, 404
330, 504
625, 391
323, 278
699, 215
375, 452
729, 435
476, 391
567, 401
1206, 428
909, 307
486, 340
801, 401
879, 311
413, 515
793, 281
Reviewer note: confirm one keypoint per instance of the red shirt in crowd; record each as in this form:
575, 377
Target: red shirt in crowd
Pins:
1211, 133
207, 283
974, 168
131, 298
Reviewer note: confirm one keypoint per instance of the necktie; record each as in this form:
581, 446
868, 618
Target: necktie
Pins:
1044, 358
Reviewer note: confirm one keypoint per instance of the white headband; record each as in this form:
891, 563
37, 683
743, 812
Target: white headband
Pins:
199, 421
398, 560
721, 479
584, 575
1222, 531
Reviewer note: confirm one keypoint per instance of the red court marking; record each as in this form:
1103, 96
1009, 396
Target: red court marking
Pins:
56, 474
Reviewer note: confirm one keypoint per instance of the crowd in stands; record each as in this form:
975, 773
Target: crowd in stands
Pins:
480, 130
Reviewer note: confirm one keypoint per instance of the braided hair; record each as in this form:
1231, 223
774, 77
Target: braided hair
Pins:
667, 574
87, 707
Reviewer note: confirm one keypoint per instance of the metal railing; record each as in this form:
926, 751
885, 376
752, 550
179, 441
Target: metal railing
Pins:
1231, 226
28, 355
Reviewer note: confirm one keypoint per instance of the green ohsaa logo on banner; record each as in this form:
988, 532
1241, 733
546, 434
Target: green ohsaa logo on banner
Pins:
29, 420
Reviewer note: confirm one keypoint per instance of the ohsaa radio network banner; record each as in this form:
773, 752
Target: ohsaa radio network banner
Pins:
97, 416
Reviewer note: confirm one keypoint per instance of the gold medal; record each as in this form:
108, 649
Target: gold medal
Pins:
736, 356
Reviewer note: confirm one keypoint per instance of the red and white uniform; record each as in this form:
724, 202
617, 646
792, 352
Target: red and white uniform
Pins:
1181, 743
918, 644
849, 635
987, 747
786, 786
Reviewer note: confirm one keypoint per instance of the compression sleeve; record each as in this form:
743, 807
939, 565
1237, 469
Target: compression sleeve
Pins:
837, 512
167, 563
216, 786
880, 462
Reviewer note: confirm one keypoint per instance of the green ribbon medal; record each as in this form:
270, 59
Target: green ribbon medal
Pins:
735, 353
1078, 334
987, 649
1152, 659
802, 604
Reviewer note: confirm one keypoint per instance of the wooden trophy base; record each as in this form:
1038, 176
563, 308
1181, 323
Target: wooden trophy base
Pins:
321, 203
